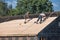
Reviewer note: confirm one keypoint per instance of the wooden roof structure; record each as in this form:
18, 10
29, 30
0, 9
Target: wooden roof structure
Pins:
18, 28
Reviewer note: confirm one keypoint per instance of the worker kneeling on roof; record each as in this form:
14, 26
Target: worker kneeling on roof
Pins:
26, 16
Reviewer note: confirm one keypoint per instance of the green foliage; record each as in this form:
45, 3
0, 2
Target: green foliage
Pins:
34, 6
3, 8
13, 12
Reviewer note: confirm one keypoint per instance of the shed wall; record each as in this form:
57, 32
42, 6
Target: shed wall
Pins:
19, 38
52, 31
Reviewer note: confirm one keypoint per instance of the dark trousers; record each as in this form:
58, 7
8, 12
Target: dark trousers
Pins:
40, 18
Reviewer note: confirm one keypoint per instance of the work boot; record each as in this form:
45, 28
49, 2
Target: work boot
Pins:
40, 22
36, 22
24, 22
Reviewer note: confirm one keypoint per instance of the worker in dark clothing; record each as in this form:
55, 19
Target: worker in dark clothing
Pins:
41, 16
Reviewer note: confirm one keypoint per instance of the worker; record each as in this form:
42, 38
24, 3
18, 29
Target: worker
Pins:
26, 16
41, 17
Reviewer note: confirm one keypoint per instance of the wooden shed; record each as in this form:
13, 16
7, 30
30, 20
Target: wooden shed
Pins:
17, 30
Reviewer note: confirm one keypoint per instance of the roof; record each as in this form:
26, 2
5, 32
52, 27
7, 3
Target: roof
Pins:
18, 28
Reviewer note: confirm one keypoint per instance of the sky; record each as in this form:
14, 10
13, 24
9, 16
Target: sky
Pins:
56, 4
13, 2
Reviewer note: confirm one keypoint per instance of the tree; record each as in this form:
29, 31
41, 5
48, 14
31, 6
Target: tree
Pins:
3, 8
34, 6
